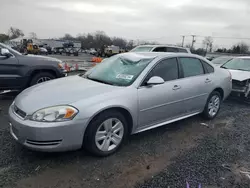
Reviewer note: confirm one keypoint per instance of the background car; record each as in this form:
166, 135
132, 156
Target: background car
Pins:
221, 60
160, 48
18, 71
43, 51
125, 94
239, 68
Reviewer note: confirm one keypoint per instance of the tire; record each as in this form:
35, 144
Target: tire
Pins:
207, 114
37, 78
89, 141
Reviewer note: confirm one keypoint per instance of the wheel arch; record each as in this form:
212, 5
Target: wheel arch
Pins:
37, 71
221, 91
121, 109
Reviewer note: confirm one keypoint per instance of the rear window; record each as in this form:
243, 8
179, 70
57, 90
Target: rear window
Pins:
171, 49
142, 49
181, 50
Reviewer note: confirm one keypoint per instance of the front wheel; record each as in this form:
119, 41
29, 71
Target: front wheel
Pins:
106, 133
213, 105
41, 77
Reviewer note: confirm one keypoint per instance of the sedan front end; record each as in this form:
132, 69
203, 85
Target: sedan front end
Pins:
44, 135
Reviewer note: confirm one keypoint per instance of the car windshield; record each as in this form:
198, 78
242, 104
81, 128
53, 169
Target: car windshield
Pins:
221, 60
119, 70
9, 48
142, 49
238, 64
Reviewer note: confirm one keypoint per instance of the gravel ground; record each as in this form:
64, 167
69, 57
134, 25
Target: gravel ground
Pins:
186, 150
219, 159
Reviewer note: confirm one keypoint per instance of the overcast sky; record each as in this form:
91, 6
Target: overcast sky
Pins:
159, 20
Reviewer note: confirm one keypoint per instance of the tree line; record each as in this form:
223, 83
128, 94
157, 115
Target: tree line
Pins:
100, 39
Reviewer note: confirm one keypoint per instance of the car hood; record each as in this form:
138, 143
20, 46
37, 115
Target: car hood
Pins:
41, 58
59, 92
240, 75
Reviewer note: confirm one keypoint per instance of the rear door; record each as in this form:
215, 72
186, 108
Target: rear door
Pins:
9, 78
196, 83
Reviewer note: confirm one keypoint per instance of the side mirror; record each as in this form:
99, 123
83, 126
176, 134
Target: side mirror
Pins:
5, 52
155, 80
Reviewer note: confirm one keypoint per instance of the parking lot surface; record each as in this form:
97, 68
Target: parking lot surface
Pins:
192, 150
81, 57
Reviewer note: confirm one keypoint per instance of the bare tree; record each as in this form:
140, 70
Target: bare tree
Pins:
122, 43
15, 33
208, 42
243, 48
4, 37
68, 37
33, 35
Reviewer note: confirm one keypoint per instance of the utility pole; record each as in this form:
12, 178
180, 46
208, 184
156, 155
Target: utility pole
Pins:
183, 39
193, 41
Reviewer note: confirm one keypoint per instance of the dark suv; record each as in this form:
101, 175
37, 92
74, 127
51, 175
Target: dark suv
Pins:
18, 71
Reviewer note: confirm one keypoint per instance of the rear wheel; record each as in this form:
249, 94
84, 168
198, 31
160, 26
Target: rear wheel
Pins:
213, 105
106, 133
41, 77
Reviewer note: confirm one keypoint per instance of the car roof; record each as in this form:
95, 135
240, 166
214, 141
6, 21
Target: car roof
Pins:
142, 55
160, 45
243, 57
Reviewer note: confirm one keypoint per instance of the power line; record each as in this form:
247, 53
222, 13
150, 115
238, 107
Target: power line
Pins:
239, 38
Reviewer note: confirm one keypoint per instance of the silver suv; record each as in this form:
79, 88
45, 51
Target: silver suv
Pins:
160, 48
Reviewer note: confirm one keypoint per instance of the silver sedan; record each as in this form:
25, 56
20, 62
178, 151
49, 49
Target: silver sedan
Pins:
125, 94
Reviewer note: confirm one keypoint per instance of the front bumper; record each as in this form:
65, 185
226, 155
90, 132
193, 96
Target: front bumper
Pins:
47, 137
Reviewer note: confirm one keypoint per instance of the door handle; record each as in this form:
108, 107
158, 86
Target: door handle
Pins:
208, 80
176, 87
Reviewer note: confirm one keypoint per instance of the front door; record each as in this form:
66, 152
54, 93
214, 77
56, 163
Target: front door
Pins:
163, 102
9, 78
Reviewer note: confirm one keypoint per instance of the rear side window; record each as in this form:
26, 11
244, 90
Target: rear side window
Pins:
181, 50
208, 68
191, 66
171, 49
160, 49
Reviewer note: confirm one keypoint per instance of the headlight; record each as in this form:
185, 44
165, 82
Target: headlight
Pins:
55, 114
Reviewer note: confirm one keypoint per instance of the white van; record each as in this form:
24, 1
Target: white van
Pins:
160, 48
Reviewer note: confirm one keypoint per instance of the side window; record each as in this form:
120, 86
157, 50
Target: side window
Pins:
166, 69
191, 66
181, 50
171, 49
160, 49
209, 68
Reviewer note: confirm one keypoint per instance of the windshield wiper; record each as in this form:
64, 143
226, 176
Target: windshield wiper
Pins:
242, 69
100, 81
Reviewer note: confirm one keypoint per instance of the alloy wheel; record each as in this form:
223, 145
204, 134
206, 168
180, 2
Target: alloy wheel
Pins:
43, 79
214, 105
109, 135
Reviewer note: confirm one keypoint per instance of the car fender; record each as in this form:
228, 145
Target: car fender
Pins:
44, 68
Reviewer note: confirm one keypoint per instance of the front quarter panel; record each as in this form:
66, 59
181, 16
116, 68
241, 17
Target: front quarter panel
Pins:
125, 98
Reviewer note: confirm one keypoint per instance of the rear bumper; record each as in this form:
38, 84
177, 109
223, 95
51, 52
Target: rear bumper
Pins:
47, 137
